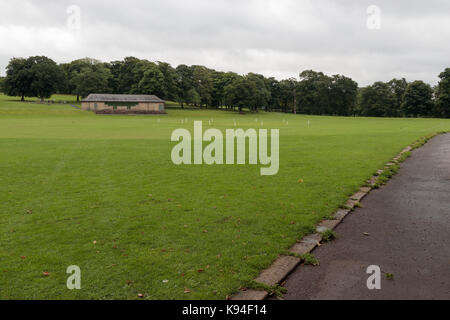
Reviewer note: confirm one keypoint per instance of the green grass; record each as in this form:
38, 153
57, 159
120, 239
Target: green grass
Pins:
69, 177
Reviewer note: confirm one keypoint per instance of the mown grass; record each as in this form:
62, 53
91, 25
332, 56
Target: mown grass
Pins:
69, 178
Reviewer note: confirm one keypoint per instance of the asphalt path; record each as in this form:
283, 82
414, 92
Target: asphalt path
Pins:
404, 228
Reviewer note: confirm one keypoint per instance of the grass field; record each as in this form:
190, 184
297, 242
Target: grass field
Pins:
102, 193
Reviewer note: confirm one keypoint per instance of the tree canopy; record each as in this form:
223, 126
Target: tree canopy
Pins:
312, 93
443, 95
36, 76
417, 100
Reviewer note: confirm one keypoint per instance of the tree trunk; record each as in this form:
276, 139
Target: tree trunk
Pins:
23, 98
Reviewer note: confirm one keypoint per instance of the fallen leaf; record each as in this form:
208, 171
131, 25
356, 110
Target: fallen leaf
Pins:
29, 211
22, 257
200, 270
366, 234
187, 290
300, 181
140, 295
94, 242
45, 273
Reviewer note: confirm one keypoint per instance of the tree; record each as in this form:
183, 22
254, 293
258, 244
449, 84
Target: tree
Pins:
442, 108
262, 97
220, 81
377, 100
398, 88
342, 95
192, 97
127, 75
241, 93
72, 73
314, 89
203, 83
417, 100
148, 79
185, 82
288, 94
18, 78
2, 84
45, 77
170, 86
275, 94
113, 82
93, 79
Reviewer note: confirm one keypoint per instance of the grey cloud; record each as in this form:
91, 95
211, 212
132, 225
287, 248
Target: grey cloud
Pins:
277, 38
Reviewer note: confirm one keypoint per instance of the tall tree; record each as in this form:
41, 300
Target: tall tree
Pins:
92, 79
398, 88
46, 76
417, 100
275, 94
18, 78
289, 89
148, 79
127, 75
314, 93
242, 93
170, 86
377, 100
114, 68
220, 81
443, 95
185, 83
202, 81
81, 70
342, 95
262, 97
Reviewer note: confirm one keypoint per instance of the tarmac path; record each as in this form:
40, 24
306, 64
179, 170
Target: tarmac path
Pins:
404, 228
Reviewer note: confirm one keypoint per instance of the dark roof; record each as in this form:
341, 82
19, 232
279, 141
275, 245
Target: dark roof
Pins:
98, 97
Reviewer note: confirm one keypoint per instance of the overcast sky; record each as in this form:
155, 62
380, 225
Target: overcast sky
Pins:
277, 38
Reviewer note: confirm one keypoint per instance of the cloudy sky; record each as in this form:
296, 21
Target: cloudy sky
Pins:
277, 38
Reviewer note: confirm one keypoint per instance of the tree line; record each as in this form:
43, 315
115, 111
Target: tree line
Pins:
312, 93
